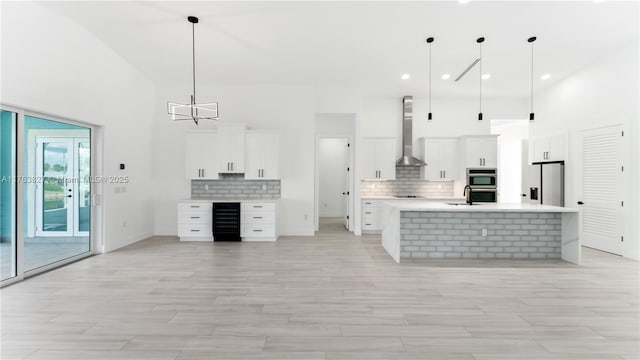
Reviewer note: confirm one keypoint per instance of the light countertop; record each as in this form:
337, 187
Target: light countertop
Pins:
450, 199
413, 205
228, 200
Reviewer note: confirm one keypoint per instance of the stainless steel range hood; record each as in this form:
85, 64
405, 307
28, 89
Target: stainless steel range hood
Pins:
407, 158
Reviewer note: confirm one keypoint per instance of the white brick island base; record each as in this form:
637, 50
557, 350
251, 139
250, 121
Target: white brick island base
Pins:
494, 231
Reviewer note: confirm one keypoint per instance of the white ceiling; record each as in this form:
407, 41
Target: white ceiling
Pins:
366, 45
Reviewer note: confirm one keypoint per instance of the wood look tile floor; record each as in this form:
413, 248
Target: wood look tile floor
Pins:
331, 296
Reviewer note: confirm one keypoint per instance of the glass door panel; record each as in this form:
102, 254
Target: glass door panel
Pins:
57, 202
8, 244
83, 187
57, 189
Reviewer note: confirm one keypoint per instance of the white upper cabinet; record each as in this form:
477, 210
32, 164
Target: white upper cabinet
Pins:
378, 159
201, 160
479, 151
551, 148
230, 148
441, 157
262, 155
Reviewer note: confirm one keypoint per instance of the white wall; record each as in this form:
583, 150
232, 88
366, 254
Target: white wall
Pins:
52, 65
382, 117
332, 167
290, 109
510, 164
605, 93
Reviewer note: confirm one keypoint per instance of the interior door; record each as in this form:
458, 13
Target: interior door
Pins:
601, 188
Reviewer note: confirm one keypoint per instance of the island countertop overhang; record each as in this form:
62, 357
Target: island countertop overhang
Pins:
413, 205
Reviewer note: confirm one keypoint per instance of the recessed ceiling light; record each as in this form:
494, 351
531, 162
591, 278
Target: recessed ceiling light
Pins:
405, 76
545, 76
445, 76
486, 76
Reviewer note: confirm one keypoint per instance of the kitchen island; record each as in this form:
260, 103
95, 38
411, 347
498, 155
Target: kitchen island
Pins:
438, 230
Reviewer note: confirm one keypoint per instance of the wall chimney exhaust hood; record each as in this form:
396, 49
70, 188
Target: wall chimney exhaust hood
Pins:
407, 158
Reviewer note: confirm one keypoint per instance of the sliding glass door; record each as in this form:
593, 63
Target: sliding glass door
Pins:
45, 193
8, 239
57, 201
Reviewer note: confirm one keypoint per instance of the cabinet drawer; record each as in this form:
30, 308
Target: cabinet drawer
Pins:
258, 217
189, 207
256, 230
258, 206
195, 230
195, 217
369, 225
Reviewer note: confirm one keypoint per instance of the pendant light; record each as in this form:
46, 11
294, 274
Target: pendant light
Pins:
531, 40
429, 115
193, 110
480, 40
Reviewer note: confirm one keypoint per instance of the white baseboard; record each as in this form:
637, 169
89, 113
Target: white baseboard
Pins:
128, 241
297, 232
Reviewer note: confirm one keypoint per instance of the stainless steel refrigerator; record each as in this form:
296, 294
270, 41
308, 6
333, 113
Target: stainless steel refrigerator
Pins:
545, 184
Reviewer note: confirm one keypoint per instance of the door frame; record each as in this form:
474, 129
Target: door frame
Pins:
579, 191
351, 185
96, 239
73, 220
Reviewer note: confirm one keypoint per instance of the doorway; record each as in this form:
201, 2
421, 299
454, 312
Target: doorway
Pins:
333, 167
335, 131
512, 157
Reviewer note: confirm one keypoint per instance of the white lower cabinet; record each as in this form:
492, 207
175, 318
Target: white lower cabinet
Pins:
259, 221
371, 215
195, 221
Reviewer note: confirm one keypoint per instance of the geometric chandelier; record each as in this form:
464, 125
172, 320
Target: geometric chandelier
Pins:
193, 111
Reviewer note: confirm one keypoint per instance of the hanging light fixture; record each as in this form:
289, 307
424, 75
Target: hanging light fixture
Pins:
480, 40
531, 40
429, 115
193, 110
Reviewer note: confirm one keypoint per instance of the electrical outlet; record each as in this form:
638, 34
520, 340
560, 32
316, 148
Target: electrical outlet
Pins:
206, 187
484, 232
264, 187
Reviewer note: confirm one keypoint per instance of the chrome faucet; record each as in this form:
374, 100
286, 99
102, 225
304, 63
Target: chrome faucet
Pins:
468, 194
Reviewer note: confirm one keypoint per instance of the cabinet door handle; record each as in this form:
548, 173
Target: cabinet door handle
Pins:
480, 161
257, 217
257, 230
232, 166
195, 217
195, 206
204, 174
367, 212
444, 174
195, 230
257, 206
